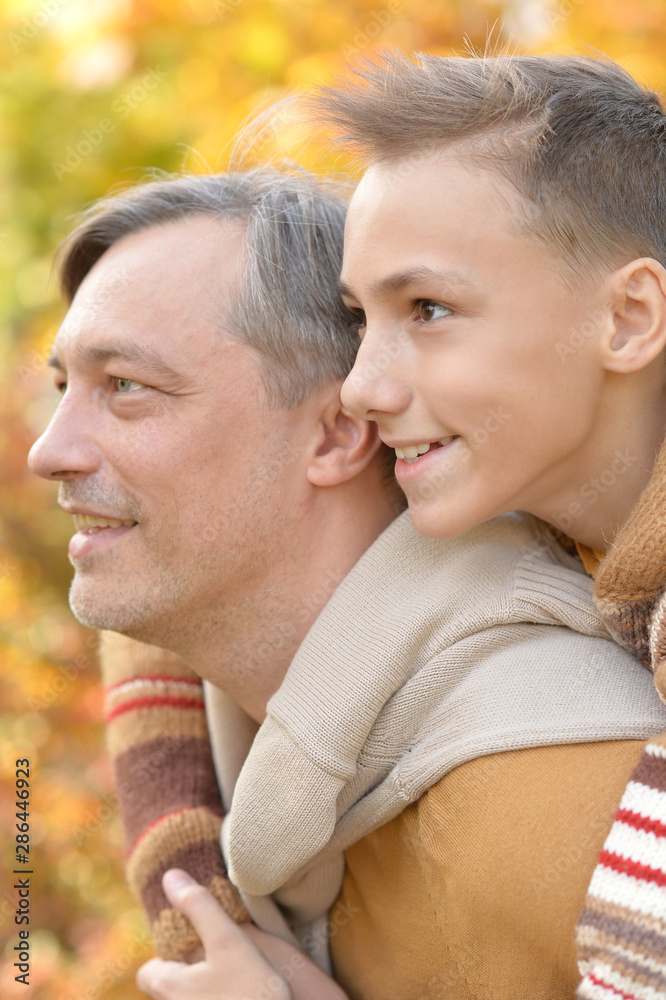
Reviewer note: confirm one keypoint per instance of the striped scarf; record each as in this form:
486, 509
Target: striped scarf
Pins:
166, 785
621, 933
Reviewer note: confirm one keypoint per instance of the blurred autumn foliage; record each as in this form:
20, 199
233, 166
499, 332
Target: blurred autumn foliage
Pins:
93, 92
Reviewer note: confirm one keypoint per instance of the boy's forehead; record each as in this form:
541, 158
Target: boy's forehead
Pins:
436, 217
445, 179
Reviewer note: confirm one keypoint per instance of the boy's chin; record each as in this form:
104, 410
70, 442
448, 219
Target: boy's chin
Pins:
444, 520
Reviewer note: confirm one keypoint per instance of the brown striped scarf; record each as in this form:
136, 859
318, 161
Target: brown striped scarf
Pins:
166, 785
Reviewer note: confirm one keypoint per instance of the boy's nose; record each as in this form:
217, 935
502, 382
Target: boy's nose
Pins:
66, 449
372, 386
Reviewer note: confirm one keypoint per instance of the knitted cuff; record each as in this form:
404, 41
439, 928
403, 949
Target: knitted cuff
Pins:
188, 839
621, 933
168, 795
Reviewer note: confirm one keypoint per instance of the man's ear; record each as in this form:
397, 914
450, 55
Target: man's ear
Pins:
638, 331
345, 446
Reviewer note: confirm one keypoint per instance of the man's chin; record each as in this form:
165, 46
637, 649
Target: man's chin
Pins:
94, 612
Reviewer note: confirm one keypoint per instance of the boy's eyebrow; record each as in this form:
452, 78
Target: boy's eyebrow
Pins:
148, 359
396, 282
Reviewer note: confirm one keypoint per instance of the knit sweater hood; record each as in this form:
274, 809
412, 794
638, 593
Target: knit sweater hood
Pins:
630, 584
430, 653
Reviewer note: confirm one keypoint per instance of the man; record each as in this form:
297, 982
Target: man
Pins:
223, 500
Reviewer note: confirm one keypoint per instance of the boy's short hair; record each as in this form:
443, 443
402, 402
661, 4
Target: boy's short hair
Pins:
578, 138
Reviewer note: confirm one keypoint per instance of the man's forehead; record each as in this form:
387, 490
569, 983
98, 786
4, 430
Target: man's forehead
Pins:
153, 290
192, 252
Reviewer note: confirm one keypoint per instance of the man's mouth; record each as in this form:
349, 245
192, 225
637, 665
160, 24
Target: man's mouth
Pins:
413, 452
90, 525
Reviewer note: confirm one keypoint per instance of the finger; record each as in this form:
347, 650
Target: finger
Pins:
213, 925
304, 978
158, 978
277, 951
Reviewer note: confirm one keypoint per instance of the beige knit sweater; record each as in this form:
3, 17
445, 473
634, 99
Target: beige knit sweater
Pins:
430, 654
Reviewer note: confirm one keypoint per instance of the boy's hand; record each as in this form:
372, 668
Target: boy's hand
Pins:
240, 963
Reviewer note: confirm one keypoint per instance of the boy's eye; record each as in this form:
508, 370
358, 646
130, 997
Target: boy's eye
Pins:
428, 310
125, 385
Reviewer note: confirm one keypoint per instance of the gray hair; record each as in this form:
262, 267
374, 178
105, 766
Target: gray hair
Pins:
288, 307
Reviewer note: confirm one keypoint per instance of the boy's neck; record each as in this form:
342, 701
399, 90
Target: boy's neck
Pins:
614, 470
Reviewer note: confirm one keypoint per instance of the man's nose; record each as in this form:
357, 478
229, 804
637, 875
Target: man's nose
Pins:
374, 385
67, 448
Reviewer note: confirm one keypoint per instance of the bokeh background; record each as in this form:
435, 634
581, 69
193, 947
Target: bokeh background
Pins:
93, 92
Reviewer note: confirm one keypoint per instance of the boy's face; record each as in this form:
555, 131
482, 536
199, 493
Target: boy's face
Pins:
471, 344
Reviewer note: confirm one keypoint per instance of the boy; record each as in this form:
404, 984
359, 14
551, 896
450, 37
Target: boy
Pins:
505, 253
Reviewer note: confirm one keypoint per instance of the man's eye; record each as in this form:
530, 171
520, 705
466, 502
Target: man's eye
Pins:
61, 386
428, 310
358, 320
125, 385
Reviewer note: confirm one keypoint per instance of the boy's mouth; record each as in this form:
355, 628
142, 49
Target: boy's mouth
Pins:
413, 452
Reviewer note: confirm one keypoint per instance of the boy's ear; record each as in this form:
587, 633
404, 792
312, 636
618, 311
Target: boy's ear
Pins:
638, 301
345, 447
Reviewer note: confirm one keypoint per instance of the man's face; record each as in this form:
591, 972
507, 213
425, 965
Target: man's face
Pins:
465, 352
164, 431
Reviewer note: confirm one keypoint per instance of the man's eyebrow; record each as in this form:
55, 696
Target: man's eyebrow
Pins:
401, 279
345, 290
135, 353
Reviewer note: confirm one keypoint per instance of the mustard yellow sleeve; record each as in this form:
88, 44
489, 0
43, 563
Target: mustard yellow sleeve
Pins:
474, 891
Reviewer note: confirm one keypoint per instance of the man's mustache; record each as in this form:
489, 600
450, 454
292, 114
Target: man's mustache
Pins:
93, 498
